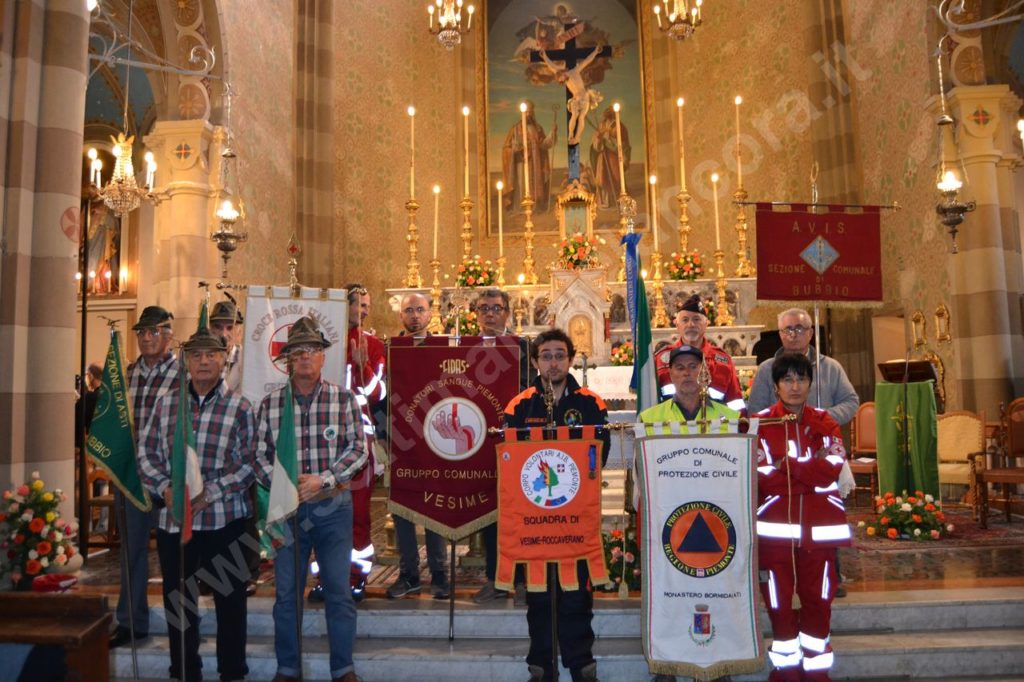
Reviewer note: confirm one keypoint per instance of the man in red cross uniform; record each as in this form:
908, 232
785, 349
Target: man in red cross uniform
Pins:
691, 323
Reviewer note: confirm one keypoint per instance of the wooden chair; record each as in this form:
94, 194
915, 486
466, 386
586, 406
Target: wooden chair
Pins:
863, 445
95, 504
1004, 470
958, 434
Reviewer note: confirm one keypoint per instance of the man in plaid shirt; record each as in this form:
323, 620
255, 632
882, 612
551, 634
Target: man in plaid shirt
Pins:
152, 375
331, 448
224, 427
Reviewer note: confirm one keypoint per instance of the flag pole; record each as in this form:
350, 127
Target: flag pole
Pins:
181, 545
122, 520
451, 594
298, 585
83, 474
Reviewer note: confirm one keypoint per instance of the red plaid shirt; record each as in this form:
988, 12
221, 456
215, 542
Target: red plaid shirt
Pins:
147, 384
224, 424
327, 432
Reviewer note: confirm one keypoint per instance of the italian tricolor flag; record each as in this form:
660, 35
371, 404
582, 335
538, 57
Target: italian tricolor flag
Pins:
284, 482
186, 476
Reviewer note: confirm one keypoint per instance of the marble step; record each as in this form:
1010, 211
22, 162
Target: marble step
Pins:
947, 655
874, 612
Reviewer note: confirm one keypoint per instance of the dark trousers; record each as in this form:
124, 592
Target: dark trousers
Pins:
135, 536
409, 553
219, 554
575, 635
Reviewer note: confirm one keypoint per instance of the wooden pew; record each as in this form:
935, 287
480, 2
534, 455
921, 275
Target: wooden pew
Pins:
78, 623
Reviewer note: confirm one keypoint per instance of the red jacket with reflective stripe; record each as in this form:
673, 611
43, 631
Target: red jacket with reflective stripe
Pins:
799, 500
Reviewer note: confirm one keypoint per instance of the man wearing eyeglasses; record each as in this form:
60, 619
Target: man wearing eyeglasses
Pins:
414, 315
331, 450
492, 309
153, 375
691, 323
831, 391
552, 354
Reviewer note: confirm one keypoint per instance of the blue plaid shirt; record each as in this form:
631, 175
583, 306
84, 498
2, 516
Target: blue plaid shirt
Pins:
224, 425
328, 433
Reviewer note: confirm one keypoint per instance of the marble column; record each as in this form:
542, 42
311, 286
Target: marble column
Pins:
43, 70
183, 254
986, 275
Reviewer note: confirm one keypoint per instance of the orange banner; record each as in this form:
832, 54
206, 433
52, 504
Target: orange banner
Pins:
549, 506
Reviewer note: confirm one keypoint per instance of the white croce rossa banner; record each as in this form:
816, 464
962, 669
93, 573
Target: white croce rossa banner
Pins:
697, 496
269, 314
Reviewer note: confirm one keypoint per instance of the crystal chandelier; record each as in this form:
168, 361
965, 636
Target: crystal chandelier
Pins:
449, 28
123, 194
682, 19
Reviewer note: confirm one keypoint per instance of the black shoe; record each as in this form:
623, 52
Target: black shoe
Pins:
440, 590
316, 595
359, 590
122, 636
401, 588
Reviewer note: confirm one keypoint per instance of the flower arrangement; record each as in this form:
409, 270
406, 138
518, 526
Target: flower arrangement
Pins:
711, 312
621, 551
476, 272
908, 517
35, 539
622, 354
685, 266
468, 324
577, 253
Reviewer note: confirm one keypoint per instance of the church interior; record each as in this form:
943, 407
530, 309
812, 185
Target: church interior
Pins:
167, 153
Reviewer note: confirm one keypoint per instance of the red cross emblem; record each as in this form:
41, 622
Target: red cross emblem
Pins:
981, 117
277, 341
183, 151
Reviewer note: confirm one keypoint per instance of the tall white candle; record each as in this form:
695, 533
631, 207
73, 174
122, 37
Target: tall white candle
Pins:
739, 166
526, 151
437, 207
718, 237
412, 151
465, 147
682, 146
618, 142
654, 211
501, 230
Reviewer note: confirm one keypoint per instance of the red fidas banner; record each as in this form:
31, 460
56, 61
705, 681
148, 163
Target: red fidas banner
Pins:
806, 255
443, 399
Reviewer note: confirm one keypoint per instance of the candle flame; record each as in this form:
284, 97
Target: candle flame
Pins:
617, 107
522, 107
714, 178
437, 189
1020, 125
500, 185
739, 100
92, 154
148, 157
654, 179
465, 111
411, 110
680, 102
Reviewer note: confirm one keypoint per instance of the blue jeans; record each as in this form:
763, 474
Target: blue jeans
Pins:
135, 536
325, 526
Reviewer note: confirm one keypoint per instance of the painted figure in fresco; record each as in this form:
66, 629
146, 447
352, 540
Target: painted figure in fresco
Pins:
540, 163
583, 99
604, 158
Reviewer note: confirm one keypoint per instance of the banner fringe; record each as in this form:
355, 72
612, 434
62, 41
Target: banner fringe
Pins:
827, 304
741, 666
447, 532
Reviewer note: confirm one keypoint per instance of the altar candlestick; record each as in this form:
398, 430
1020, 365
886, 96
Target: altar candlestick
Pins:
714, 185
437, 206
465, 147
618, 142
654, 211
526, 151
682, 148
739, 166
501, 230
412, 151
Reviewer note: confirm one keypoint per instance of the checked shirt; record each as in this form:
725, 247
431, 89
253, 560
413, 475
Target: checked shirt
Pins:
224, 425
147, 384
328, 434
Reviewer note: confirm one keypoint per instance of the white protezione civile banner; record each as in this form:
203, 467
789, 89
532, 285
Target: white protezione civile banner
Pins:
700, 594
269, 314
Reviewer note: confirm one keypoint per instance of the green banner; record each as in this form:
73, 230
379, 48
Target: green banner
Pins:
111, 442
920, 419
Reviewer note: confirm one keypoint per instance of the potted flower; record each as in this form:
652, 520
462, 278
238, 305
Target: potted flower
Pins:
622, 556
685, 266
476, 272
916, 517
622, 354
35, 539
577, 253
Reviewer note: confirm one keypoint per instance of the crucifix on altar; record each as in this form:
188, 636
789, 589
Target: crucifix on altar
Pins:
567, 65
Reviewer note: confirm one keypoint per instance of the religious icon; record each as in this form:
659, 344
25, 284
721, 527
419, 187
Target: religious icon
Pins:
562, 60
103, 249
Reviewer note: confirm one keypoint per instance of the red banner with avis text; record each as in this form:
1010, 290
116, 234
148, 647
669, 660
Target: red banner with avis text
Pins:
443, 399
807, 255
549, 507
